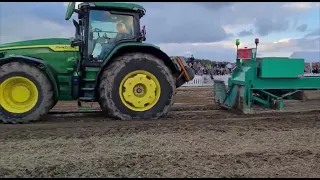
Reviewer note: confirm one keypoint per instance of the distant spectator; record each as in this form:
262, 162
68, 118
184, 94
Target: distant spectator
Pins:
213, 69
315, 70
192, 58
229, 67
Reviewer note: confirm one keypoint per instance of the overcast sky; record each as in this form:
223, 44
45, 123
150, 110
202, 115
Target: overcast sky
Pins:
206, 30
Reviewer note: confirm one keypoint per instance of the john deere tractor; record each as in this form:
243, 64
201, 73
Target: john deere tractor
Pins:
106, 62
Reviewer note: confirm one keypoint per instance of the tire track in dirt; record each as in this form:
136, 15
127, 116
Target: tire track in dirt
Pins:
205, 110
195, 139
98, 127
179, 118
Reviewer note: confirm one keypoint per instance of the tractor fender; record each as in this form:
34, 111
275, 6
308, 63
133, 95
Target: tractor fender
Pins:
47, 68
137, 47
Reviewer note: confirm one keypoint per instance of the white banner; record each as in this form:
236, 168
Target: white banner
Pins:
206, 80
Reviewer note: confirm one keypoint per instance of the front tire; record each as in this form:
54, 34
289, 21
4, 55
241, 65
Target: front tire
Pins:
136, 86
25, 93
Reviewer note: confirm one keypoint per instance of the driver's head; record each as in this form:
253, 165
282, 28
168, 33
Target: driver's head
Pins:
128, 21
121, 28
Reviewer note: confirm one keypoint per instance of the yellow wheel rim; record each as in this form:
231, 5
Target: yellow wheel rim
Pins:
18, 95
139, 90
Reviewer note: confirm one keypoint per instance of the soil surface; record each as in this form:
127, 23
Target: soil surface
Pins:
195, 139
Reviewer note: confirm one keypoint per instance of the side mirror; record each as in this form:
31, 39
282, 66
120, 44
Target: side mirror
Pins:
76, 25
80, 16
70, 10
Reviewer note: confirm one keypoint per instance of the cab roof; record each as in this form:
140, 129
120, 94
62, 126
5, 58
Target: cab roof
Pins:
114, 5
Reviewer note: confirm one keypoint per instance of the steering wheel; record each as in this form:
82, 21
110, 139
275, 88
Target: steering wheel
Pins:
97, 30
101, 40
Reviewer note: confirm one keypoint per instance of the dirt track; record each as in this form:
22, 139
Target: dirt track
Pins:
195, 139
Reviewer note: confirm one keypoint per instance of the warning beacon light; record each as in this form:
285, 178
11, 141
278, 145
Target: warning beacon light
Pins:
256, 41
237, 42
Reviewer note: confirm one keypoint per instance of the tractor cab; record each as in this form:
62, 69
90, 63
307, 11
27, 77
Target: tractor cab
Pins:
103, 26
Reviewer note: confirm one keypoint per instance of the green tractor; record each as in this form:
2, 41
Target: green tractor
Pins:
106, 62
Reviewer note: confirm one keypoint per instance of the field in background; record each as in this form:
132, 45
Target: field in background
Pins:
195, 139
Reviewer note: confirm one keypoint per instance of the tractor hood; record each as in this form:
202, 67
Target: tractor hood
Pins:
38, 43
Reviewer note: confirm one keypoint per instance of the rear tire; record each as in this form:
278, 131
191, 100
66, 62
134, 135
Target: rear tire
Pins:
116, 103
31, 85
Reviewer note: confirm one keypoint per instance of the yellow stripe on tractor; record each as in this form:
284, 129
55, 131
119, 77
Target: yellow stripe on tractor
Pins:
59, 48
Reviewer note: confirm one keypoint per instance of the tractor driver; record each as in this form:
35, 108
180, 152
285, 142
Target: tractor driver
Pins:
121, 28
123, 32
128, 22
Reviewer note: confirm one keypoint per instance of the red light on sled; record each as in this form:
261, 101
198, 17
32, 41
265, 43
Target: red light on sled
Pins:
256, 41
